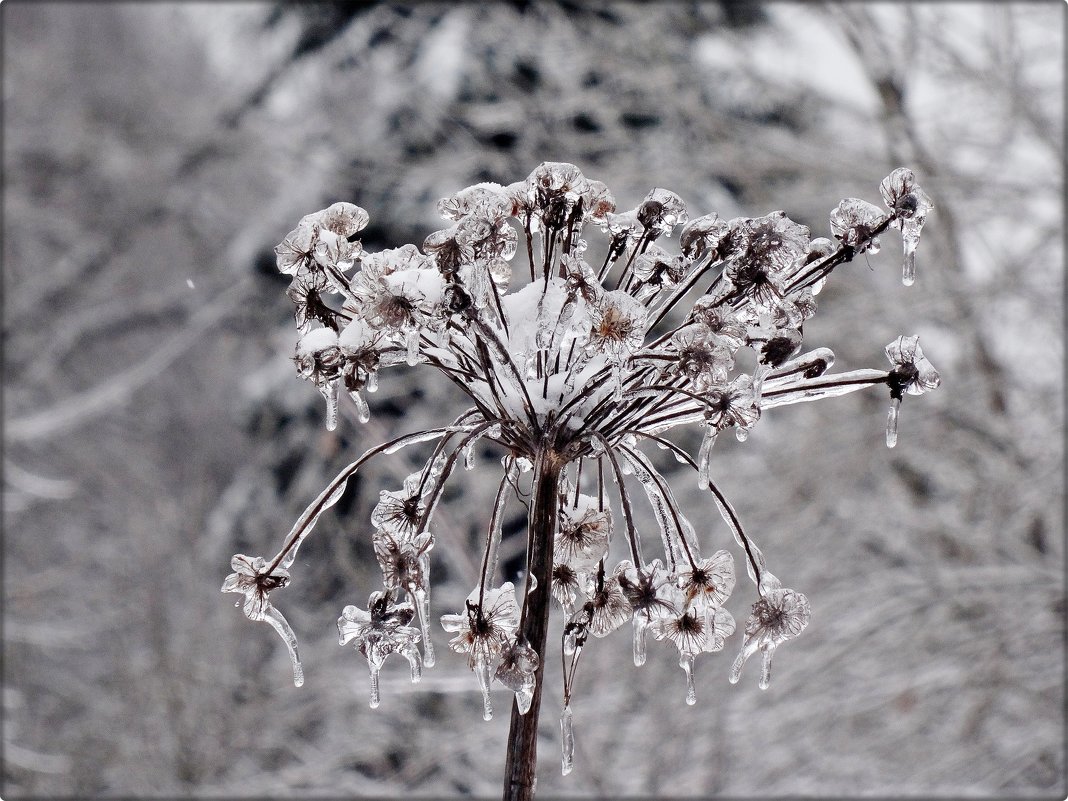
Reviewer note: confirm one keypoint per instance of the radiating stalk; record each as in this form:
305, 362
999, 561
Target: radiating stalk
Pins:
521, 763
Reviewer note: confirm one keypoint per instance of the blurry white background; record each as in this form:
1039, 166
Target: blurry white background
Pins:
153, 425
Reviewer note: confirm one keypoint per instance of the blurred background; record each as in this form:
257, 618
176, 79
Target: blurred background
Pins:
154, 425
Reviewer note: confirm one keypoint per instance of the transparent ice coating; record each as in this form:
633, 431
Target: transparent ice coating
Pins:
853, 221
911, 204
703, 236
694, 628
660, 212
255, 579
380, 630
484, 632
779, 615
709, 581
905, 352
610, 608
651, 597
363, 411
674, 527
517, 672
582, 533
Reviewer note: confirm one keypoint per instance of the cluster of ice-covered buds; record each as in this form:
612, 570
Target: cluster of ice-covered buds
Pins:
584, 354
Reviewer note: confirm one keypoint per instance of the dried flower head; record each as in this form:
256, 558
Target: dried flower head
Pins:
571, 367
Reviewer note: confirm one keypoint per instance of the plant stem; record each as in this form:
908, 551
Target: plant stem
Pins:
521, 763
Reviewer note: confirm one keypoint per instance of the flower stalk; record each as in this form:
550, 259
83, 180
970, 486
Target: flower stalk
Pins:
520, 769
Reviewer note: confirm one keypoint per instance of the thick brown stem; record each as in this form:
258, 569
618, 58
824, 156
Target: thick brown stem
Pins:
521, 764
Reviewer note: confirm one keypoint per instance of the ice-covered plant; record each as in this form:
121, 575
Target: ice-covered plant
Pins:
570, 366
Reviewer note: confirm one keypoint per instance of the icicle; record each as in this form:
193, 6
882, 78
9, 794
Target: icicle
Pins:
703, 460
412, 343
376, 698
571, 646
480, 288
617, 382
765, 669
281, 625
759, 374
891, 422
524, 696
484, 676
686, 663
422, 612
663, 505
748, 649
567, 740
640, 625
416, 664
372, 381
908, 269
329, 390
469, 455
363, 412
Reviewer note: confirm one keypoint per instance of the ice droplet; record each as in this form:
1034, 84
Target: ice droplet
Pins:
422, 611
469, 455
891, 422
686, 663
363, 412
412, 355
372, 382
742, 433
376, 697
567, 740
703, 457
